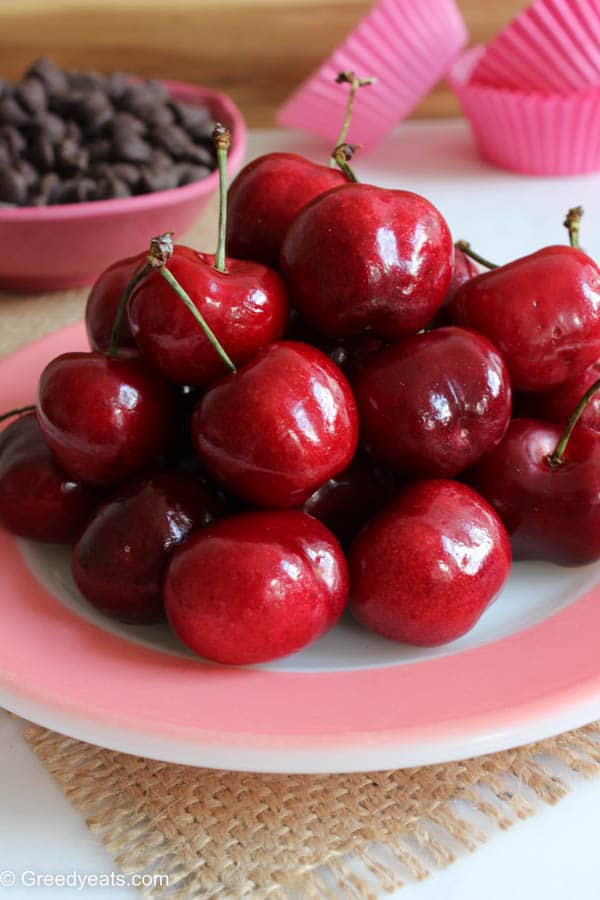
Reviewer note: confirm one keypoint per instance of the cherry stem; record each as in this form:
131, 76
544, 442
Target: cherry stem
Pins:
222, 140
355, 83
16, 412
573, 224
161, 250
557, 457
342, 155
114, 335
466, 249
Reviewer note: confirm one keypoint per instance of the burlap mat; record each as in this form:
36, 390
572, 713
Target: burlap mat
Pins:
231, 835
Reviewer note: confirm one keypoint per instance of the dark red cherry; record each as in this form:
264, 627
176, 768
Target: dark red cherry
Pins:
542, 312
104, 418
279, 427
38, 500
557, 404
103, 303
463, 270
348, 500
428, 565
120, 560
433, 404
256, 586
363, 258
551, 512
245, 307
264, 199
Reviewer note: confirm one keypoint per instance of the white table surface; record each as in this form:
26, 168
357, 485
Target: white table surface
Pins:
551, 855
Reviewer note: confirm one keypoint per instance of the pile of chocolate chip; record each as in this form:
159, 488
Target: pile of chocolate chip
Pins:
67, 137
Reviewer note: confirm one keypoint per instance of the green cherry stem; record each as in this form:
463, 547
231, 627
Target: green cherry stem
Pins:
342, 155
161, 250
355, 83
573, 224
114, 335
21, 410
557, 457
466, 249
222, 141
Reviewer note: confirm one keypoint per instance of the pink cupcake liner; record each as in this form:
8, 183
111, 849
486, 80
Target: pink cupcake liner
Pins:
551, 47
530, 133
407, 46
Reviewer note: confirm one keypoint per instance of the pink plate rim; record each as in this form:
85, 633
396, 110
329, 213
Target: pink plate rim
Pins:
68, 674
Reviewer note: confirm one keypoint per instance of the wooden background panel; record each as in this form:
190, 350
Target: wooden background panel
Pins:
256, 50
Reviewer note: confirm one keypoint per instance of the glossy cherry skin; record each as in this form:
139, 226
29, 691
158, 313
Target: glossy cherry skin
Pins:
348, 500
462, 271
103, 418
256, 586
428, 565
279, 427
433, 404
246, 308
265, 197
550, 513
37, 499
362, 258
558, 404
103, 303
120, 560
542, 312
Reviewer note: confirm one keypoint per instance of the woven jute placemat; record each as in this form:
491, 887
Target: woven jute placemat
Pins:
219, 834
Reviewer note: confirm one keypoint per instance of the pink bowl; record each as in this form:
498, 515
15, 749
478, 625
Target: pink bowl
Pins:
50, 248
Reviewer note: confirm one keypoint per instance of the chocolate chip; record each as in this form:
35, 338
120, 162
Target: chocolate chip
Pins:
71, 157
13, 187
91, 110
117, 83
137, 99
72, 131
28, 172
160, 117
100, 151
31, 94
11, 112
131, 148
53, 126
47, 190
127, 172
190, 174
159, 159
53, 78
5, 155
125, 123
42, 152
195, 119
158, 179
174, 140
77, 190
13, 139
86, 81
110, 188
201, 155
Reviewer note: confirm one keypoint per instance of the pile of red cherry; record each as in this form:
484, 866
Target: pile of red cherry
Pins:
343, 378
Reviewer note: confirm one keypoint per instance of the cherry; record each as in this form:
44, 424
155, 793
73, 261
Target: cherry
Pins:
264, 199
103, 417
363, 258
434, 403
549, 503
346, 501
37, 499
256, 586
348, 354
240, 305
120, 560
428, 565
103, 303
268, 193
540, 311
557, 404
279, 427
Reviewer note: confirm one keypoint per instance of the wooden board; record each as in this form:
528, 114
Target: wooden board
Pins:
256, 51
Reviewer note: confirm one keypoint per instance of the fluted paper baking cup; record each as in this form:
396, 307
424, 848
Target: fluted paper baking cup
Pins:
406, 46
552, 47
527, 132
